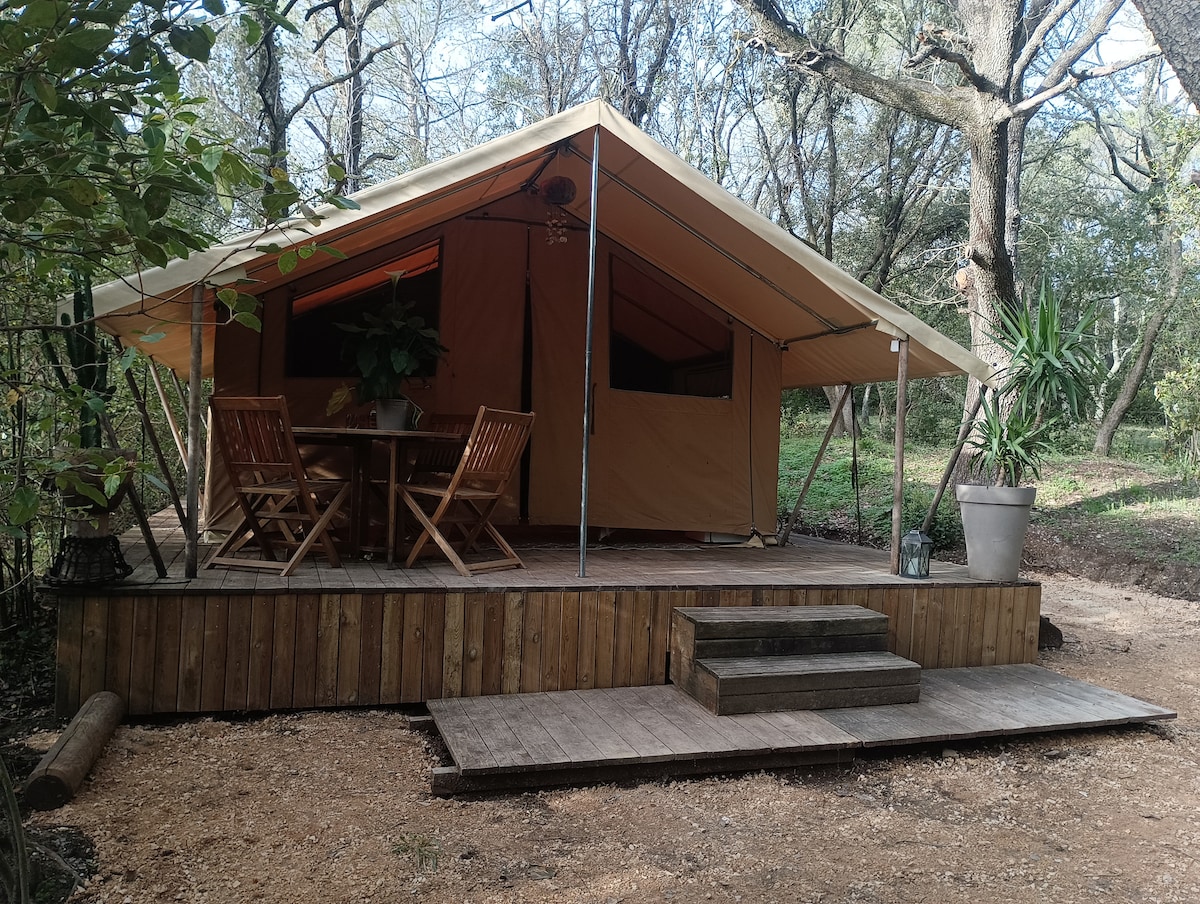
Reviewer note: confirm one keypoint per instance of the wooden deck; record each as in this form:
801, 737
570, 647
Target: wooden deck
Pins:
535, 740
812, 562
365, 635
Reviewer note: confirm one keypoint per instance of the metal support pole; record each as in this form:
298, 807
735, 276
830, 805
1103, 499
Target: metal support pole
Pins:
195, 388
587, 356
898, 473
812, 472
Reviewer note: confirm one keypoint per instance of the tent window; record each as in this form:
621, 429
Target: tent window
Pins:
664, 342
313, 338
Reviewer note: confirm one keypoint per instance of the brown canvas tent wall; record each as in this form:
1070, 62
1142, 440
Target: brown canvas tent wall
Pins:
658, 460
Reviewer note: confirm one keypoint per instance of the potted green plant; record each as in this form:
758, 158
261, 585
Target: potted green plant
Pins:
1051, 369
91, 478
388, 347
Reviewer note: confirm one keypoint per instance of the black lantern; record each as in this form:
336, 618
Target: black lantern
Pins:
915, 548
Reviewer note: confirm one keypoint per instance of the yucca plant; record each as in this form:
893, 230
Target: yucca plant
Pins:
1007, 446
1052, 370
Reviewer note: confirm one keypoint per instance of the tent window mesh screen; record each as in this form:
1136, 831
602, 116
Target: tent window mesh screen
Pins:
314, 341
664, 341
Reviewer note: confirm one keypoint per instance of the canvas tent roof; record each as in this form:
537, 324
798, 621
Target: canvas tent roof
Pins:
833, 328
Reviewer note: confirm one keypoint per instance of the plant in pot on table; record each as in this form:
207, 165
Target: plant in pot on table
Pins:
388, 347
1052, 369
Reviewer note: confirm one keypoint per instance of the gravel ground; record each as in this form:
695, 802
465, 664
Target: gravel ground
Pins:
335, 807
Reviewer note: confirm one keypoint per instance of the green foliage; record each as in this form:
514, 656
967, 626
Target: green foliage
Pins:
1006, 446
1053, 369
389, 346
1179, 394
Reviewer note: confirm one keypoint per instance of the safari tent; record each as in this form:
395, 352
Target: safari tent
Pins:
704, 311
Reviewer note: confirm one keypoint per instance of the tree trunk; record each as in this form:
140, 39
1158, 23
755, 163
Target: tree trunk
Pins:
272, 115
1173, 248
1176, 27
845, 425
354, 97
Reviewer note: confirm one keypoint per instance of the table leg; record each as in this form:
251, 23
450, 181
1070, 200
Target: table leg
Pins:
393, 469
359, 478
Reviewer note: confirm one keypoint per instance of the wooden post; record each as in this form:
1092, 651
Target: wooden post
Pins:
62, 770
898, 472
183, 398
139, 401
139, 508
195, 385
964, 431
812, 472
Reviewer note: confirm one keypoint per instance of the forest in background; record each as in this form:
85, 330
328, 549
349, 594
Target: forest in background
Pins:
140, 131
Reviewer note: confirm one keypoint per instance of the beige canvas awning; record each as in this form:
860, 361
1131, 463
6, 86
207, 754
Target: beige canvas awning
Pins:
833, 329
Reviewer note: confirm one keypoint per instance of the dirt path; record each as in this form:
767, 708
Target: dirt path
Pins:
334, 807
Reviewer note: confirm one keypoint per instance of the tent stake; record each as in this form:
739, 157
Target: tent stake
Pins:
964, 431
587, 356
898, 473
812, 472
195, 386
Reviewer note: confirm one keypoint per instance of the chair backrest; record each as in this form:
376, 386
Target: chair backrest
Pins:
494, 449
442, 457
255, 438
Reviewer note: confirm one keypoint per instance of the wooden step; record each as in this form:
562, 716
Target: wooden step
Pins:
823, 681
782, 621
705, 633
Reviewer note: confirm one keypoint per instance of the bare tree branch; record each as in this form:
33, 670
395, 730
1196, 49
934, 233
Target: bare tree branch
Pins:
1074, 80
363, 64
776, 34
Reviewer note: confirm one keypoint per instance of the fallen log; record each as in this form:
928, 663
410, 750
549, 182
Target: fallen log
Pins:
62, 770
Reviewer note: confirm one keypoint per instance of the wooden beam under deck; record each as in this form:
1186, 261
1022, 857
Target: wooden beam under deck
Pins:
538, 740
364, 635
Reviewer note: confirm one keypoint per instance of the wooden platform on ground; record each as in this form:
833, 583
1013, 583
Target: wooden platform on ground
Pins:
535, 740
365, 635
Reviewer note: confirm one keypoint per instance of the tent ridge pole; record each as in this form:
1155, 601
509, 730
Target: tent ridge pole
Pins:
587, 356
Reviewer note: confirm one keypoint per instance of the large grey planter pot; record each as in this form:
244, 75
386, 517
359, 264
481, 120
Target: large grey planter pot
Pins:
995, 520
394, 414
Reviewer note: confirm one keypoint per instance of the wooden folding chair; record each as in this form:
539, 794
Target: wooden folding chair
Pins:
441, 457
280, 505
472, 491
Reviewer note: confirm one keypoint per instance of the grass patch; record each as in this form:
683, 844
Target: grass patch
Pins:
1138, 506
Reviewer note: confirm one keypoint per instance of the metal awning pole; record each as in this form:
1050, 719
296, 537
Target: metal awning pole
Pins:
195, 388
898, 472
587, 357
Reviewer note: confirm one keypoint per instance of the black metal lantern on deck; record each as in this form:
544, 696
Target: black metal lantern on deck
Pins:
915, 548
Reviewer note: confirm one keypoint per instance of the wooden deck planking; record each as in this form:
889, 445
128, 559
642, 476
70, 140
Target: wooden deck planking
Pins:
574, 733
366, 635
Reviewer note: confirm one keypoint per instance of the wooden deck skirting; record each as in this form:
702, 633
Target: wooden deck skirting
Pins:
175, 650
